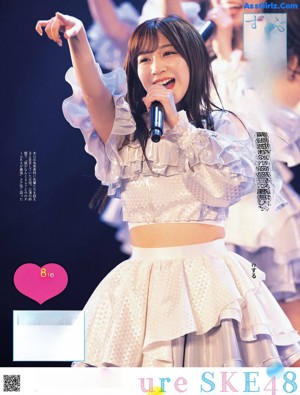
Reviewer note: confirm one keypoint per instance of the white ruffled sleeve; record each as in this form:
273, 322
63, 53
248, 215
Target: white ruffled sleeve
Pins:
220, 166
286, 139
109, 164
217, 169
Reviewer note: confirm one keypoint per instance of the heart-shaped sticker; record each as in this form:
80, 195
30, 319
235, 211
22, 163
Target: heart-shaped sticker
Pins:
40, 283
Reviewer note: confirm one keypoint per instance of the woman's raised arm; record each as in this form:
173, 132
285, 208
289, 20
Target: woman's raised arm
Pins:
98, 98
173, 7
104, 12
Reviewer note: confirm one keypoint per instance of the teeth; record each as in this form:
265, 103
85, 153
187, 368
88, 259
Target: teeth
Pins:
164, 82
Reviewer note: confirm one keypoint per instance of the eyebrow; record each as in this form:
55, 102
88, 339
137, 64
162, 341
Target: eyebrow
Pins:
160, 47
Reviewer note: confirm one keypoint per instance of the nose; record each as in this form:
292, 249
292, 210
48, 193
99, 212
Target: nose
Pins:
158, 65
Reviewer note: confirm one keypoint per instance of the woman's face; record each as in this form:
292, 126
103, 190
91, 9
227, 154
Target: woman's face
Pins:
164, 66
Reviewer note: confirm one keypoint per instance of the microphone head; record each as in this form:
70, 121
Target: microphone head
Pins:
156, 135
207, 30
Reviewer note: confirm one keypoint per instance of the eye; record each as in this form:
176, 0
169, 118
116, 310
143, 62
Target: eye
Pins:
168, 53
143, 59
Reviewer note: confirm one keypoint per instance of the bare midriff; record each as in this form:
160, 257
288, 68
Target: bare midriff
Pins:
172, 235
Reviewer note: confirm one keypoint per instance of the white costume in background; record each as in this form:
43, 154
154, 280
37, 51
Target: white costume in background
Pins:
108, 53
272, 239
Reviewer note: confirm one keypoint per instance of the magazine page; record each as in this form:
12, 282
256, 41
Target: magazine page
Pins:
182, 253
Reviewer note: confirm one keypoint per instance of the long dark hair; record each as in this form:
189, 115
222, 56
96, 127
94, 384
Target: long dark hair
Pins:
293, 32
188, 43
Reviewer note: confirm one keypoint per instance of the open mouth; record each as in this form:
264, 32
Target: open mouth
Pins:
169, 84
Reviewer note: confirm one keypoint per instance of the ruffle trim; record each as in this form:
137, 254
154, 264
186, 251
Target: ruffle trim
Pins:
240, 159
286, 136
228, 70
282, 278
193, 142
278, 231
108, 161
182, 148
114, 164
137, 296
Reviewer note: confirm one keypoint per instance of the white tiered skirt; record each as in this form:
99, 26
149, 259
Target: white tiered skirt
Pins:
193, 306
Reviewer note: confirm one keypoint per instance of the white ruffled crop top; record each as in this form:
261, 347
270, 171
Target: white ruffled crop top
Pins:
196, 173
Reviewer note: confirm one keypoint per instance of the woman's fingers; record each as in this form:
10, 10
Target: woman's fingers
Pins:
50, 30
55, 28
59, 23
166, 98
159, 93
39, 26
63, 18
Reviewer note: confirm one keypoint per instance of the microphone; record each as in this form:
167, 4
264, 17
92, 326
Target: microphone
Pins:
156, 121
207, 30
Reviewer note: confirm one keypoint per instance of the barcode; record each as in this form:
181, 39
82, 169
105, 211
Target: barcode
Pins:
11, 383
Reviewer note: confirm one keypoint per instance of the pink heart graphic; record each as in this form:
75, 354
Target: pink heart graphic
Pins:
40, 283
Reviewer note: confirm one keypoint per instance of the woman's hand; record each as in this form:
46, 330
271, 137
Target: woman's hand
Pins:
66, 24
166, 98
222, 40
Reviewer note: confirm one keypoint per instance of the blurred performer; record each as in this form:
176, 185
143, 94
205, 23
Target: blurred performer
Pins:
111, 31
271, 240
